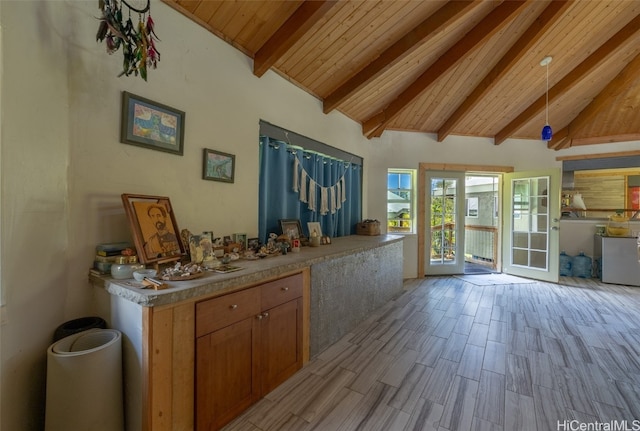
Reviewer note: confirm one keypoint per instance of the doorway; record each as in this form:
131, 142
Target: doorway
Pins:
482, 222
459, 223
463, 216
524, 233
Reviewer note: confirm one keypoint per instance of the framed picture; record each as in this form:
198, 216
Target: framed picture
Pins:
201, 247
154, 228
151, 125
291, 228
218, 166
240, 238
314, 226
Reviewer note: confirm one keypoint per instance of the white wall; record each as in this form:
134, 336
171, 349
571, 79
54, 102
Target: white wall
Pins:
63, 168
35, 225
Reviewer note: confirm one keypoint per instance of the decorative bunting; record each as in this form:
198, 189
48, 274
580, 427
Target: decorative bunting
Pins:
331, 197
312, 195
324, 200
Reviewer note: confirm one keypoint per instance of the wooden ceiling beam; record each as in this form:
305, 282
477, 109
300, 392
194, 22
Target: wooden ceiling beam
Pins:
370, 126
489, 26
546, 20
561, 139
579, 73
598, 155
417, 36
628, 77
307, 14
606, 139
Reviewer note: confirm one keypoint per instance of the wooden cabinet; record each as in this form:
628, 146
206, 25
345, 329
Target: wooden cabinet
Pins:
247, 343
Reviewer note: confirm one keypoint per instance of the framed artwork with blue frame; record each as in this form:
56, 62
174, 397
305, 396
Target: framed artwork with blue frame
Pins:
150, 124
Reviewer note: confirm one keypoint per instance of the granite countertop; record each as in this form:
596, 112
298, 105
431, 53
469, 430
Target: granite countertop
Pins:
253, 271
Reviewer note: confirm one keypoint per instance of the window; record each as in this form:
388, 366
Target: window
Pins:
400, 191
471, 207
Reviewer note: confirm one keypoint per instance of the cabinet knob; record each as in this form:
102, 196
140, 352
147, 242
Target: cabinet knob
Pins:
259, 317
233, 306
284, 288
265, 314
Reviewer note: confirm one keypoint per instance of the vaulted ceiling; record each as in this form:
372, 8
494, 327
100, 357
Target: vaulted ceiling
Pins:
468, 68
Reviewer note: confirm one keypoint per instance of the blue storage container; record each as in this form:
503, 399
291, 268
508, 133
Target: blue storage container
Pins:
566, 263
581, 266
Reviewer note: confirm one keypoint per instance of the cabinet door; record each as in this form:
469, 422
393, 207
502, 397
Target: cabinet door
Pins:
281, 340
226, 373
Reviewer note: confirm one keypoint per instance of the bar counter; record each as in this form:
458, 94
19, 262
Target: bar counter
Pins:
253, 271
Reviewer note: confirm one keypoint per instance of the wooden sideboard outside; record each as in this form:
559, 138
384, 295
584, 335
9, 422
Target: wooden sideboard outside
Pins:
159, 327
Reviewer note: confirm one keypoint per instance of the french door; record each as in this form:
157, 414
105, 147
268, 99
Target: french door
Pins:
444, 222
531, 213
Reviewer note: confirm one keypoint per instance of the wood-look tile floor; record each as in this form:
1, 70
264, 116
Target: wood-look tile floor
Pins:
450, 355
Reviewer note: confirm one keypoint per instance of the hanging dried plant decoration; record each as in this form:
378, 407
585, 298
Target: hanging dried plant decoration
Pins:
137, 42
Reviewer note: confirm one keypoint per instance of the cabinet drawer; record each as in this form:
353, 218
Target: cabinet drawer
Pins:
280, 291
217, 313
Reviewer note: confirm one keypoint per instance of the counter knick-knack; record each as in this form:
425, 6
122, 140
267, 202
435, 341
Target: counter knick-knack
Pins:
124, 266
315, 239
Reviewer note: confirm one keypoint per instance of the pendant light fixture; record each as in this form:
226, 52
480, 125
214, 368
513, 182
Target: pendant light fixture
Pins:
547, 133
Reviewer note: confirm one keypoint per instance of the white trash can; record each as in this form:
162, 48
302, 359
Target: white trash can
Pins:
84, 382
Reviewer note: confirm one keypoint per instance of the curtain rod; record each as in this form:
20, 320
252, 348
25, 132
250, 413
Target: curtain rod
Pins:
293, 138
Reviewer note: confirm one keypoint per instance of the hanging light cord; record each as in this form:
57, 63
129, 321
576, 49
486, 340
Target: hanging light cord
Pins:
547, 105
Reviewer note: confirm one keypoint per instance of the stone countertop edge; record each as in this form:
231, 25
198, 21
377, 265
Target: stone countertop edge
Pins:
252, 272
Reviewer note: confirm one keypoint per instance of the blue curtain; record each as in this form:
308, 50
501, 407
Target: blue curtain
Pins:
278, 200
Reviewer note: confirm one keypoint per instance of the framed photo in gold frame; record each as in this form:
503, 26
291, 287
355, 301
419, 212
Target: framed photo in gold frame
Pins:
154, 228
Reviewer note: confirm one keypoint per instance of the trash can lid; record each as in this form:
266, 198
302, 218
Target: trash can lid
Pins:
86, 342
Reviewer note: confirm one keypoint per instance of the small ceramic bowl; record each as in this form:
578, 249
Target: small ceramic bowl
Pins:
142, 273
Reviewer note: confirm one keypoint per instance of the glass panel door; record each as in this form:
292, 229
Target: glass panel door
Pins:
530, 223
444, 223
531, 215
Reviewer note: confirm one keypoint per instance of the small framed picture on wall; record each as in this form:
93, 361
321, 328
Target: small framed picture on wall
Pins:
218, 166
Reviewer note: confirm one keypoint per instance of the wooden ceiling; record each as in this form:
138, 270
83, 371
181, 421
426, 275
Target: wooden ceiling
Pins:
468, 68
